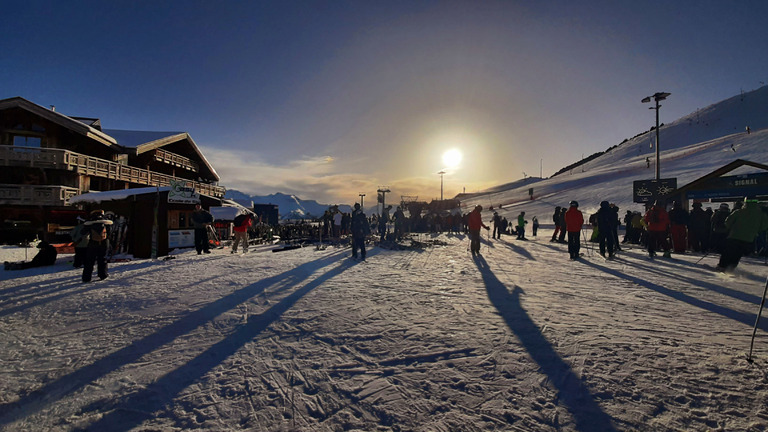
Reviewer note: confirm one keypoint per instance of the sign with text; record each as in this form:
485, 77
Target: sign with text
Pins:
732, 186
645, 191
183, 192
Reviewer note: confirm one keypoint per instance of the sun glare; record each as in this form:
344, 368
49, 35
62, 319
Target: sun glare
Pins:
452, 158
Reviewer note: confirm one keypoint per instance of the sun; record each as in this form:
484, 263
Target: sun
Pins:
452, 158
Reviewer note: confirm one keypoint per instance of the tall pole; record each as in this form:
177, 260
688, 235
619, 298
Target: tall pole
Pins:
441, 184
361, 200
657, 97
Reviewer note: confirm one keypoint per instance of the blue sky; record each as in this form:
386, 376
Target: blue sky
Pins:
330, 99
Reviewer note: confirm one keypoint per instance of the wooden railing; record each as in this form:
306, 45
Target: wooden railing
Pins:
176, 160
36, 195
93, 166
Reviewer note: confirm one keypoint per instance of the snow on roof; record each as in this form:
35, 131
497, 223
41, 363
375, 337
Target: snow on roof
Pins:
115, 195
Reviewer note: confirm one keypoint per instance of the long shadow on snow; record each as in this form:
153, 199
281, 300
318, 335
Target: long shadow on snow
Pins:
571, 389
132, 410
517, 249
67, 384
744, 318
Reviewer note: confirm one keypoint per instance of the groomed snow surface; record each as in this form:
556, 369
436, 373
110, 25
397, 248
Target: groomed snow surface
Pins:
423, 339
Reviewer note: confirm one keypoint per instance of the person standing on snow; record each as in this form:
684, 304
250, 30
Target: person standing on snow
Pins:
496, 226
719, 230
606, 222
360, 229
556, 221
475, 222
743, 227
98, 245
698, 229
574, 221
678, 218
561, 237
242, 225
521, 226
657, 220
535, 225
201, 220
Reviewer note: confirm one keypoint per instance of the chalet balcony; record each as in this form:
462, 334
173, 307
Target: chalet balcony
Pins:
36, 195
176, 160
93, 166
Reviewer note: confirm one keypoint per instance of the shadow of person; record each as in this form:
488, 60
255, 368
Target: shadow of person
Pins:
571, 390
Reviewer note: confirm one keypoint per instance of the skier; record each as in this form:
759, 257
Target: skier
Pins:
743, 226
400, 220
201, 220
574, 220
98, 244
496, 226
360, 229
535, 222
383, 222
657, 220
719, 230
698, 229
475, 222
561, 237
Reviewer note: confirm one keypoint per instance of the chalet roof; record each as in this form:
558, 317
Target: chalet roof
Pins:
718, 173
144, 141
58, 118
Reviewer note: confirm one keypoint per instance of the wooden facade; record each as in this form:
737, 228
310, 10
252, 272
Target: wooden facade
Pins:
47, 157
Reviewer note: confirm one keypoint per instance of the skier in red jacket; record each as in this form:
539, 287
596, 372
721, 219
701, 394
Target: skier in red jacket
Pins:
475, 223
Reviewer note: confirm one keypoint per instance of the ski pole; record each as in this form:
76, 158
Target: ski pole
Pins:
754, 331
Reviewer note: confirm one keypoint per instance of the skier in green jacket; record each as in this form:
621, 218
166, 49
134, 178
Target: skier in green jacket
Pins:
743, 226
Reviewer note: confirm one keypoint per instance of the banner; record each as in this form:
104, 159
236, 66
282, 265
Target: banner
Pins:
648, 191
183, 192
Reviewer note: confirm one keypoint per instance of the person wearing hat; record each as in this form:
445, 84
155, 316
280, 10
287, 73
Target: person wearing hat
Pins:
698, 229
719, 230
574, 221
743, 226
657, 221
556, 220
201, 220
98, 245
475, 222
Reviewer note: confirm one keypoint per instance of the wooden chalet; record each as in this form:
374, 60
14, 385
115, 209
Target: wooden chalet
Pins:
47, 157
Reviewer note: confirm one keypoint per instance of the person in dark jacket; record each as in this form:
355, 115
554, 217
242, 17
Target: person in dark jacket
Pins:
496, 226
556, 221
201, 220
606, 222
678, 219
360, 230
698, 229
98, 245
45, 257
561, 237
719, 231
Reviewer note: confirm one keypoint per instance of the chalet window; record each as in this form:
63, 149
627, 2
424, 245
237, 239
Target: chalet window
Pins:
27, 141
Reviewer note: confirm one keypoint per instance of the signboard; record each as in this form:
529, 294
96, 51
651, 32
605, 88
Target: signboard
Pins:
732, 186
183, 192
181, 238
645, 191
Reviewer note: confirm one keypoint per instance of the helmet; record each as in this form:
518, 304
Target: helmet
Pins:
574, 203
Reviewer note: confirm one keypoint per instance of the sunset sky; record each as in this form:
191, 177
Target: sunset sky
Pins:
328, 99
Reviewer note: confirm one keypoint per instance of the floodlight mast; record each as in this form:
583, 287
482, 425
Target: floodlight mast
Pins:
441, 173
660, 96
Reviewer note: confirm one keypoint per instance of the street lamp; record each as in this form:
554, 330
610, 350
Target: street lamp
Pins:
361, 200
441, 184
657, 97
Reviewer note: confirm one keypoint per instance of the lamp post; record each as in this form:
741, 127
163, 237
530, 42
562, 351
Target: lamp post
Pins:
361, 200
441, 184
660, 96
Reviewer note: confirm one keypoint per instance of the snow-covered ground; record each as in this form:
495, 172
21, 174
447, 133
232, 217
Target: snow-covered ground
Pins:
425, 339
420, 339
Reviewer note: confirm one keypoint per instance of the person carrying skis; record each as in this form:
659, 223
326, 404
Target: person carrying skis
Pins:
657, 220
201, 220
243, 223
574, 221
98, 244
743, 227
475, 222
360, 229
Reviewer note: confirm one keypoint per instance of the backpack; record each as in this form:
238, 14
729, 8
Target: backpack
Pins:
240, 220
